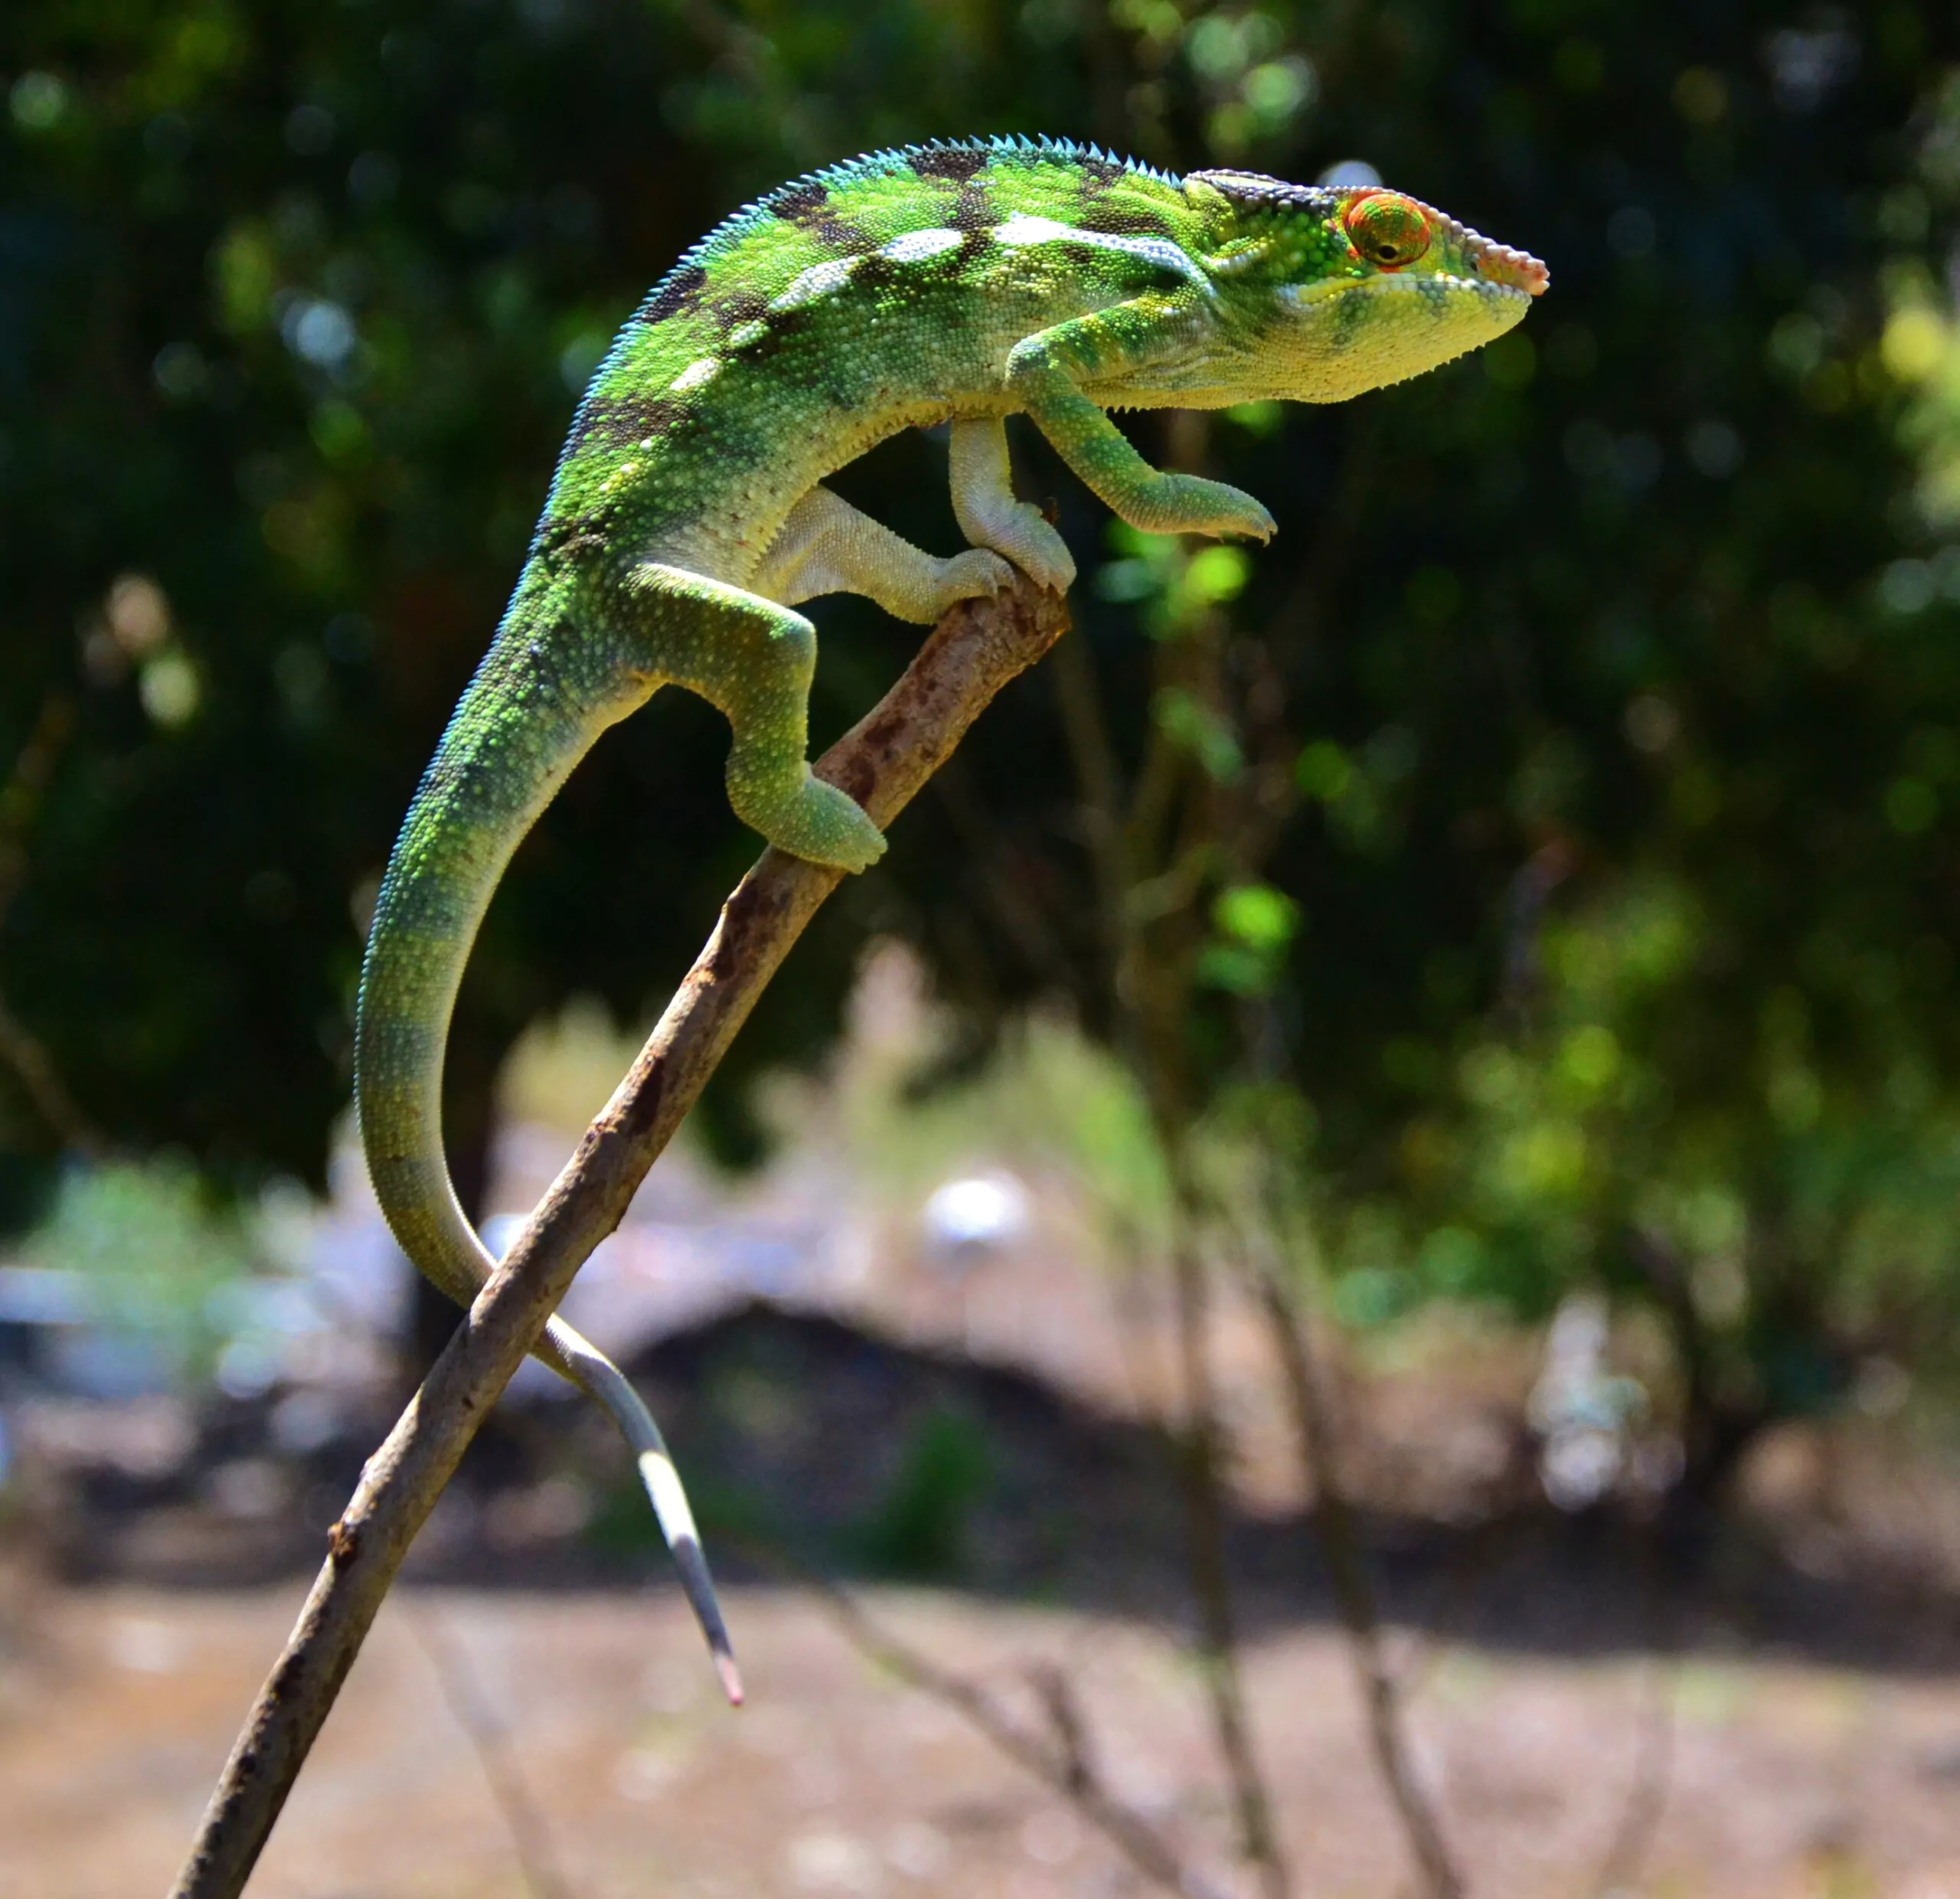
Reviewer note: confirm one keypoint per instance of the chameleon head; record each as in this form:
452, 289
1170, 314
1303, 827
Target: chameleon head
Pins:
1346, 289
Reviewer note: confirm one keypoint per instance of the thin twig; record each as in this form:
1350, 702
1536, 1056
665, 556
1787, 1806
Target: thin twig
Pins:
975, 651
489, 1735
998, 883
1150, 992
1211, 1581
21, 1050
1647, 1792
1064, 1764
1060, 1701
40, 1081
1099, 793
1353, 1592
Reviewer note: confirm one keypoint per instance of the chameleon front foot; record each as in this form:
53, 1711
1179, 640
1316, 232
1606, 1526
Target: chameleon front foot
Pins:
989, 516
1190, 503
1021, 532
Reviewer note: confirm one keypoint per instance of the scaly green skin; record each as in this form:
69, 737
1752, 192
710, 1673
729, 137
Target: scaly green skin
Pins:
958, 283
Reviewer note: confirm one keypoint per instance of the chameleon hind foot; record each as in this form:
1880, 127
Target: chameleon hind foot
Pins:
811, 820
753, 658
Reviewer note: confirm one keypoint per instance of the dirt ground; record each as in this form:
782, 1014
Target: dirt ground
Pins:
533, 1717
1774, 1777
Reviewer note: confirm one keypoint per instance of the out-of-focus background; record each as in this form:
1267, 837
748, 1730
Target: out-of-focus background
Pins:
1351, 1247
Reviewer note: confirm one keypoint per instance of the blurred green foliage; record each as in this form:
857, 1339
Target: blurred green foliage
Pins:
1601, 692
919, 1528
157, 1260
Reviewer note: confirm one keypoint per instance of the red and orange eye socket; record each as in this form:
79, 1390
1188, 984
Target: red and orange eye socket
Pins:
1389, 231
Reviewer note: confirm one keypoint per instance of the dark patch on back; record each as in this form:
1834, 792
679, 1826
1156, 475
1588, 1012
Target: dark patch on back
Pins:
737, 307
874, 272
1256, 189
956, 163
782, 327
807, 206
1119, 220
580, 540
800, 200
839, 236
681, 287
1098, 174
622, 422
972, 210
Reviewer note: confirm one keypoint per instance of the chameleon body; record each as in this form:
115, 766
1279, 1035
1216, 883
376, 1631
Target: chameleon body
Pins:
956, 284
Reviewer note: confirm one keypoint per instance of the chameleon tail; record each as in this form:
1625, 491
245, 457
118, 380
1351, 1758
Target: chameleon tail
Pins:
597, 1375
535, 707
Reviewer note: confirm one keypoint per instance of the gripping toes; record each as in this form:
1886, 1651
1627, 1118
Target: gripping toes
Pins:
976, 574
989, 516
1022, 533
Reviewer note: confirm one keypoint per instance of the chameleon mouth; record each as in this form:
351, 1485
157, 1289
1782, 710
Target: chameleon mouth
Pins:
1436, 283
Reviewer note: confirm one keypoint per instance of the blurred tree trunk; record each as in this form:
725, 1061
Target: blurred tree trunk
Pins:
1787, 1360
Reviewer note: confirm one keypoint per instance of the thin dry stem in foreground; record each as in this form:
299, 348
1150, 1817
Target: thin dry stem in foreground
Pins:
1063, 1759
1354, 1597
973, 652
1064, 1762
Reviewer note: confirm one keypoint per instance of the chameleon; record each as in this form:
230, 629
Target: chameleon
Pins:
956, 284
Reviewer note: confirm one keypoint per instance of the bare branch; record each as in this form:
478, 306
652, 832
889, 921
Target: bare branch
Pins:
35, 1069
1203, 1443
20, 804
975, 651
1647, 1790
1150, 986
1353, 1592
1064, 1764
1065, 1717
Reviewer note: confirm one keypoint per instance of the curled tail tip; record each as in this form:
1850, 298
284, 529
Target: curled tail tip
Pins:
698, 1587
605, 1382
677, 1522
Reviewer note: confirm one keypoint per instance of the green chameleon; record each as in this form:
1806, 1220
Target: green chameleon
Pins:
958, 283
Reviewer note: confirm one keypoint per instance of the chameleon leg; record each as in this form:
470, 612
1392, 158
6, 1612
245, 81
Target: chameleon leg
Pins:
1047, 371
827, 546
752, 660
984, 504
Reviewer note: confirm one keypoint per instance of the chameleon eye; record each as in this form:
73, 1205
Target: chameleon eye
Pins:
1388, 230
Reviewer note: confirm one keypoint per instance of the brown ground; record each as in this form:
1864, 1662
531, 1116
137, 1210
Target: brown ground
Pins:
1781, 1777
1799, 1740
